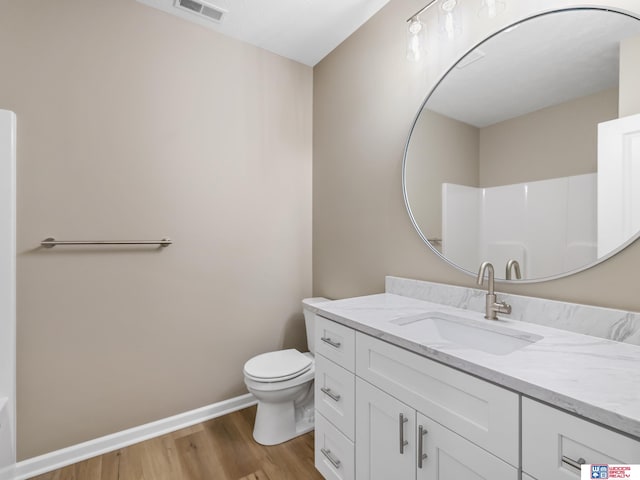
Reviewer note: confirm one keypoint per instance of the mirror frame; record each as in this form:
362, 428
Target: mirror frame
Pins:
440, 79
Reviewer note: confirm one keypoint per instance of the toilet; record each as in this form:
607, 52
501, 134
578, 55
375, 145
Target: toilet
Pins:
282, 382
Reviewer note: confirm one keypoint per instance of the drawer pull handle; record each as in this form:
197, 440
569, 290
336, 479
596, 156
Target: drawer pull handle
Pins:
334, 461
575, 464
331, 342
403, 442
333, 396
421, 456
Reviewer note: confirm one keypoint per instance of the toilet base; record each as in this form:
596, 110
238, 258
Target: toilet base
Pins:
279, 422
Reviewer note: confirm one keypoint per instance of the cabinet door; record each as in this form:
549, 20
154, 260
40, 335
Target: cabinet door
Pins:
380, 432
451, 457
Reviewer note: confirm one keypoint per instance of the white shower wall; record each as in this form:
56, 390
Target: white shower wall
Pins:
7, 291
547, 226
461, 220
618, 177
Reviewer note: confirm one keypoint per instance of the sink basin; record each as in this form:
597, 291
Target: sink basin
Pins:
438, 327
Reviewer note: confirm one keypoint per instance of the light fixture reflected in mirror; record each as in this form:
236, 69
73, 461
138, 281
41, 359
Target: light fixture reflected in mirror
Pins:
450, 25
416, 39
491, 8
417, 34
450, 21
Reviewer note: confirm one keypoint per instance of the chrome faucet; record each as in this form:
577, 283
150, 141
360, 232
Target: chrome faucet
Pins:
492, 307
513, 264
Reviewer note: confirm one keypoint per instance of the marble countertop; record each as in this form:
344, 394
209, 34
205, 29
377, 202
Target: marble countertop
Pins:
594, 378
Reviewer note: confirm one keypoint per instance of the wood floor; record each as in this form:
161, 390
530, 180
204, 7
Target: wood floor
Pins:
220, 449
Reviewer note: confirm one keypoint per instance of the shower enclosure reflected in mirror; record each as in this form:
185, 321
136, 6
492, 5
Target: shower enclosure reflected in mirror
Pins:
528, 149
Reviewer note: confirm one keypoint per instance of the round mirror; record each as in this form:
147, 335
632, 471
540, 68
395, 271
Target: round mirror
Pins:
527, 151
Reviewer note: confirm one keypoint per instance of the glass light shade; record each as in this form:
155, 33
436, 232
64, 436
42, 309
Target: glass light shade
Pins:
450, 18
491, 8
416, 40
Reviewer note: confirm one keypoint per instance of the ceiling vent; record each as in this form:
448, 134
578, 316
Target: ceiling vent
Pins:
203, 9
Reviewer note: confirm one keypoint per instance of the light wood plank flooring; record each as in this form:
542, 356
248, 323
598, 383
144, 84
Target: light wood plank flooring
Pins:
220, 449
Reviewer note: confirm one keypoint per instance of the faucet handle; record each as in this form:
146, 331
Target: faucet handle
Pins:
502, 307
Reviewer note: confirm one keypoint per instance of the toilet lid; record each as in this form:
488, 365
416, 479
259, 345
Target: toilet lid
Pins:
277, 366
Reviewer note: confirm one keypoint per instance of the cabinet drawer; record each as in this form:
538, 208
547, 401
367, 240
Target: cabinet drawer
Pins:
483, 413
334, 453
335, 395
549, 434
336, 342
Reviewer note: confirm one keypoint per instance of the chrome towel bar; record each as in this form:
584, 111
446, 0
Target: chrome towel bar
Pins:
52, 242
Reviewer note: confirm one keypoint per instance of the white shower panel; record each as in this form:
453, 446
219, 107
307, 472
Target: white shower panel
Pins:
7, 290
545, 216
582, 224
7, 458
504, 227
618, 182
547, 226
460, 224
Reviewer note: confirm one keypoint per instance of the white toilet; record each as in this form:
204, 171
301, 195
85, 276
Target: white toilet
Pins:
282, 382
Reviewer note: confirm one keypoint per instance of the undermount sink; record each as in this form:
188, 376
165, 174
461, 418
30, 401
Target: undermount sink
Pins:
465, 332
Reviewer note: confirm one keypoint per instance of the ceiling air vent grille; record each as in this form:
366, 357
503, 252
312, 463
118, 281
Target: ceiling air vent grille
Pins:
203, 9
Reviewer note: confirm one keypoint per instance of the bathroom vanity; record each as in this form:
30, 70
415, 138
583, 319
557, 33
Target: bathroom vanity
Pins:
407, 388
415, 383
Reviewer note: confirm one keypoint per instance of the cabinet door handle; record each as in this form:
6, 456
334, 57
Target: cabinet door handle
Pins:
574, 463
330, 342
421, 456
403, 442
333, 396
334, 461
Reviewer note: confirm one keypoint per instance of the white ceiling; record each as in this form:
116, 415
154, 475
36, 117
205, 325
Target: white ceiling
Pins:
542, 62
302, 30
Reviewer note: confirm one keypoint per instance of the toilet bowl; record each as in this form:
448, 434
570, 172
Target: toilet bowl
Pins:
282, 382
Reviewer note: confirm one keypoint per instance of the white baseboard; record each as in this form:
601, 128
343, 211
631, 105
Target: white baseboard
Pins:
82, 451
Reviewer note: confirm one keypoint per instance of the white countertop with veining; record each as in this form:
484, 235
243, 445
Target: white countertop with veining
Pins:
592, 377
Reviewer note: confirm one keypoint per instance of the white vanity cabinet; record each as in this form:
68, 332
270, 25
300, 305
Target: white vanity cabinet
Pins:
380, 408
555, 443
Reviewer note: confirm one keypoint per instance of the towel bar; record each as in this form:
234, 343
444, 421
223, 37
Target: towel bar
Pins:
52, 242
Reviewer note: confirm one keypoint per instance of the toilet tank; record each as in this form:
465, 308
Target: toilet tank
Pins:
309, 319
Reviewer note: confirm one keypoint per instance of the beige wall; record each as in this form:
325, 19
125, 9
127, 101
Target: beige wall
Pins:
365, 97
442, 150
629, 77
135, 124
557, 141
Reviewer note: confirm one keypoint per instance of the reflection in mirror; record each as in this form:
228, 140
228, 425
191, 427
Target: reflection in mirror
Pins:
529, 148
